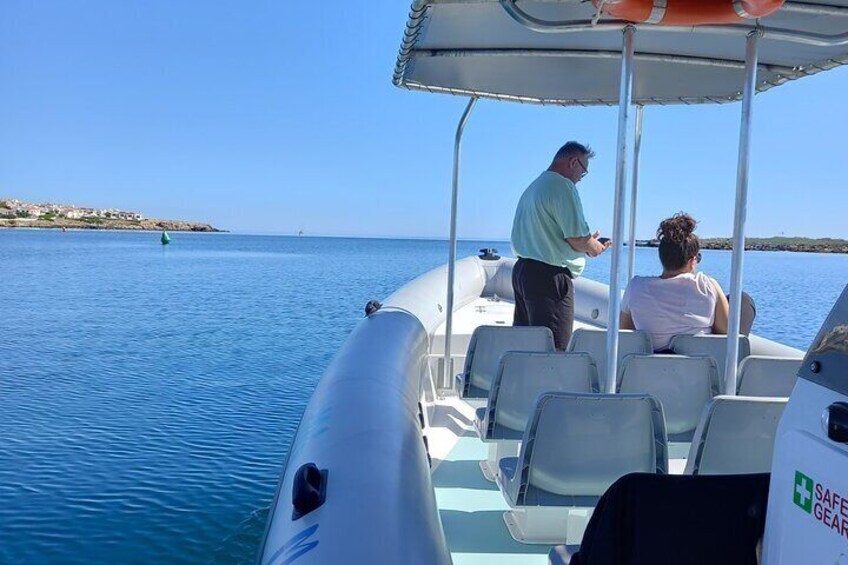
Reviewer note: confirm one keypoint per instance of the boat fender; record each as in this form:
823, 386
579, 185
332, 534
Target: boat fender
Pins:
687, 12
489, 254
309, 490
371, 307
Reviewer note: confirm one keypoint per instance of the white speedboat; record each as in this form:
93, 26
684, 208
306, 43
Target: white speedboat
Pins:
398, 461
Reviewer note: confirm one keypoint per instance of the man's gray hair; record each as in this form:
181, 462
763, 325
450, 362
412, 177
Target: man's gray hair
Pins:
573, 148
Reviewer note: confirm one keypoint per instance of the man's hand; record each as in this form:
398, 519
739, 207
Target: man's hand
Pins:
591, 245
598, 244
595, 247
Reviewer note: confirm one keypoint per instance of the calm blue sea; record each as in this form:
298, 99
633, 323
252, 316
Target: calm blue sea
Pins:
148, 394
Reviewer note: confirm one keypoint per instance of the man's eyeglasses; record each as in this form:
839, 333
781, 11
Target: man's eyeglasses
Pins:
582, 166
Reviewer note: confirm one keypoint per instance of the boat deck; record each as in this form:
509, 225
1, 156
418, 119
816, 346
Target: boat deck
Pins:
472, 508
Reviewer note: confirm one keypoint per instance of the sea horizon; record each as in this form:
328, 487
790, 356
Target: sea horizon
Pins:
500, 240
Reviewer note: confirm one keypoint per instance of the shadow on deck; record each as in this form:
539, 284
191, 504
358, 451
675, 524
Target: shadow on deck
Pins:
483, 532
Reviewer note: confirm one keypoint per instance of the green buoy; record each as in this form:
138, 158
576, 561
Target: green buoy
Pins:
166, 239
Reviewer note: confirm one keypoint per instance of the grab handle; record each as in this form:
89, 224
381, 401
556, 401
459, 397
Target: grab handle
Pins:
309, 489
836, 422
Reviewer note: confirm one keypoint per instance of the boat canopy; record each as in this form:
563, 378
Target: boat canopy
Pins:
551, 52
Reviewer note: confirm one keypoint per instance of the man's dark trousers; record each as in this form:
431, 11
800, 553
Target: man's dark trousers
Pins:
544, 296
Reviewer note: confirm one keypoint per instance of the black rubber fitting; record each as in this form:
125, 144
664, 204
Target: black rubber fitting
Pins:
309, 490
372, 307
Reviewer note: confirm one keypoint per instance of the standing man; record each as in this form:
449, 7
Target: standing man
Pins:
551, 239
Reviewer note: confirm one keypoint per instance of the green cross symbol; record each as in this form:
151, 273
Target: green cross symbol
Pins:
803, 493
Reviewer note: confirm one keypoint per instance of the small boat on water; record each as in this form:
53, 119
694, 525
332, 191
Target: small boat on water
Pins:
396, 460
165, 239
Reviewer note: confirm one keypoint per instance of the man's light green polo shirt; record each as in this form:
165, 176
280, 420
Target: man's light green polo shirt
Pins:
550, 211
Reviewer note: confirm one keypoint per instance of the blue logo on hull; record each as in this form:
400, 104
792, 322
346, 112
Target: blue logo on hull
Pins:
295, 548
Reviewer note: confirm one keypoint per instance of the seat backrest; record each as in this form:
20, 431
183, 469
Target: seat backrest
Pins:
488, 343
683, 385
735, 435
594, 342
714, 346
768, 376
523, 376
579, 444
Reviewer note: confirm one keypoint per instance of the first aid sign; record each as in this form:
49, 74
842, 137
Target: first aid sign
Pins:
825, 505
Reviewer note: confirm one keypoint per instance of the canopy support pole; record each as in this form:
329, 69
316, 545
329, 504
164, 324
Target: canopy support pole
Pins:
741, 212
447, 376
634, 189
624, 99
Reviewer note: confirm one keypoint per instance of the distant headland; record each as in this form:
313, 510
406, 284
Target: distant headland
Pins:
799, 244
16, 213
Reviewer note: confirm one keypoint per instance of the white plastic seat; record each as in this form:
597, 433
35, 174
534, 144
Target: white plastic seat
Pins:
683, 385
488, 344
575, 446
735, 435
522, 377
768, 376
709, 345
594, 342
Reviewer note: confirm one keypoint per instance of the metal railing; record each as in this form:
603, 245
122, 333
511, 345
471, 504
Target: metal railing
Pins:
447, 381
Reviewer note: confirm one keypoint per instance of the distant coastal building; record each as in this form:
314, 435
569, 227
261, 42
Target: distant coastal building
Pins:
120, 215
21, 210
16, 213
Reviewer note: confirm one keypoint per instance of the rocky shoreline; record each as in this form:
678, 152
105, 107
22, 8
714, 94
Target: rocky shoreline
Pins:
148, 224
794, 244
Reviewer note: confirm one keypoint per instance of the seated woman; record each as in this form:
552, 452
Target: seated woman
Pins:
680, 300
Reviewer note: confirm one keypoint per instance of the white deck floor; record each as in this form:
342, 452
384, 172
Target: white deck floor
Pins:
471, 507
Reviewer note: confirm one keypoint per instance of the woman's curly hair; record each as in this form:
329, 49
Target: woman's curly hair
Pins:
678, 243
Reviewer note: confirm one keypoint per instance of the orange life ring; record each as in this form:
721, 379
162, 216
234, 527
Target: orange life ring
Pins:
688, 12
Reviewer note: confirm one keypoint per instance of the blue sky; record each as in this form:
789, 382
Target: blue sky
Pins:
278, 116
